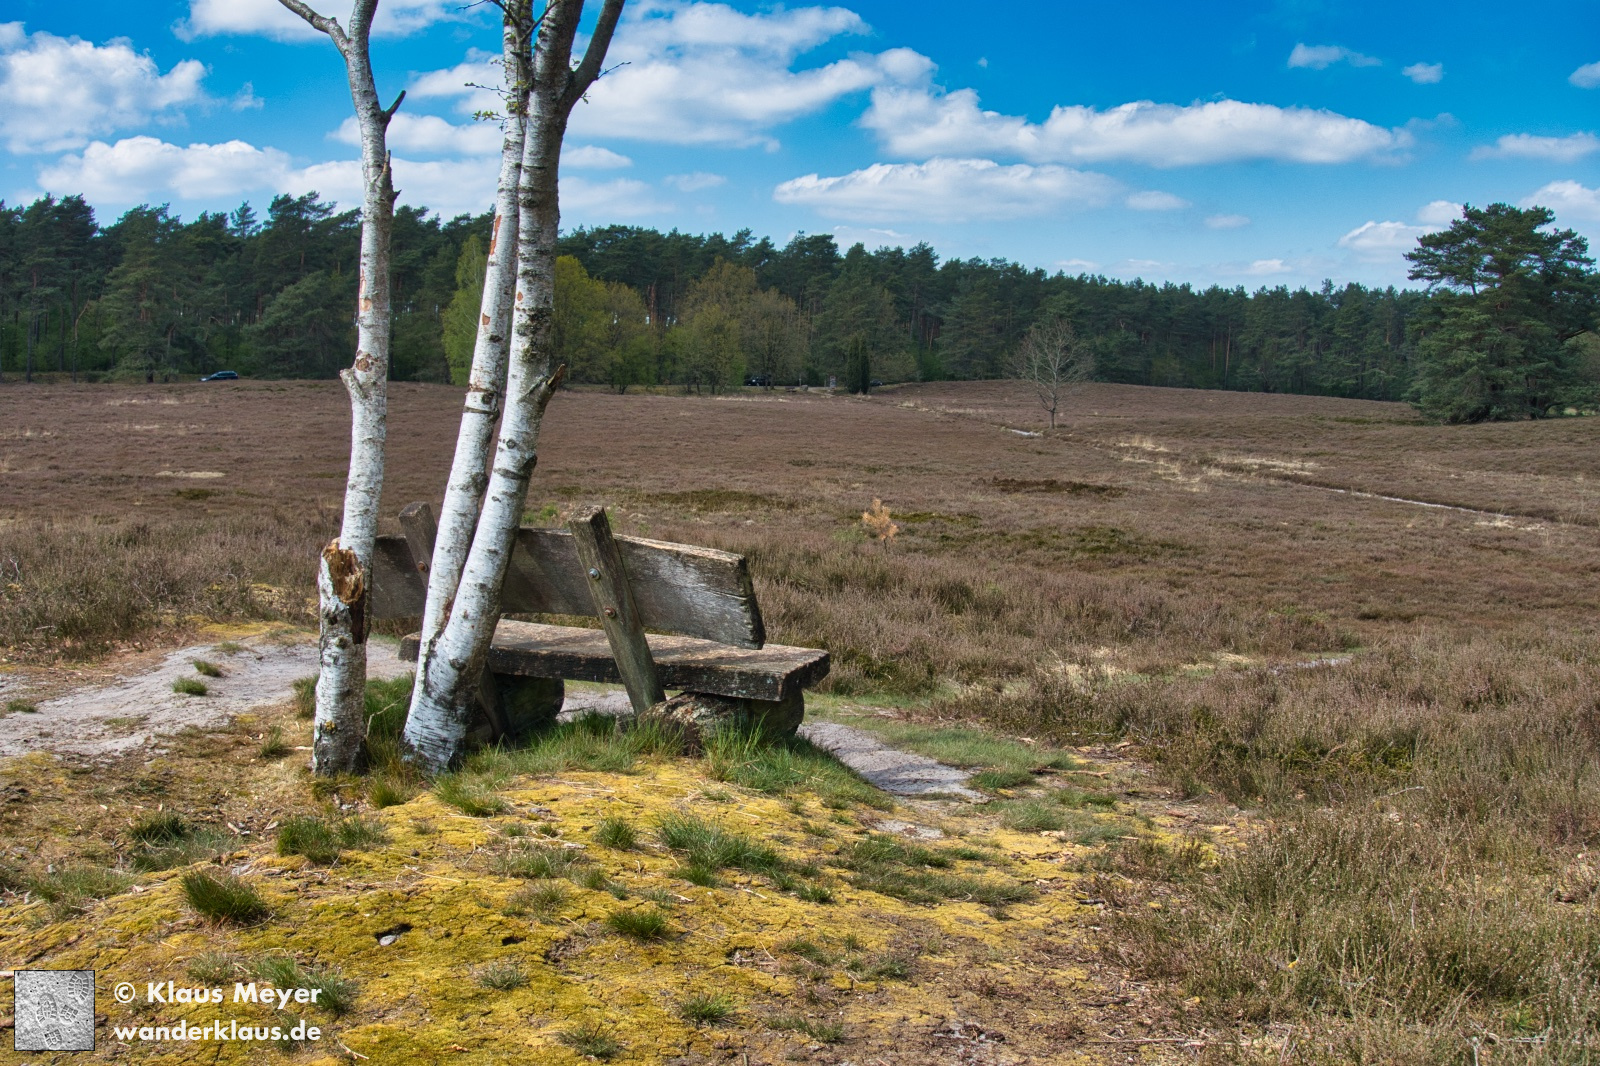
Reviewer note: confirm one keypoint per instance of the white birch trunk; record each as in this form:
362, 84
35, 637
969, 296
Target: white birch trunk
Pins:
443, 698
340, 728
469, 473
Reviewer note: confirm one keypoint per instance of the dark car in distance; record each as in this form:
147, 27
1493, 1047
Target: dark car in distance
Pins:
221, 375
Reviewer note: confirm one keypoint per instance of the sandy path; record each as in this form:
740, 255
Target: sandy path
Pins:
141, 708
901, 773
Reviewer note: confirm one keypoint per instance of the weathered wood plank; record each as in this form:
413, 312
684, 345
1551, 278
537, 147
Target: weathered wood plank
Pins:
529, 649
421, 531
608, 588
678, 588
397, 589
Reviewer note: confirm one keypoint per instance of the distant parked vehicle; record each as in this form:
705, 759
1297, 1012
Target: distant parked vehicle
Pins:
759, 380
221, 375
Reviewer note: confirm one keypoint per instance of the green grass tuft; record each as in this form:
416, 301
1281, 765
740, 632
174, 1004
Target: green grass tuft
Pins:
215, 967
541, 862
779, 766
387, 791
273, 745
72, 889
503, 976
468, 793
826, 1032
617, 833
162, 827
705, 1009
188, 686
650, 924
542, 900
19, 707
336, 994
304, 691
206, 669
714, 848
593, 1040
223, 897
321, 841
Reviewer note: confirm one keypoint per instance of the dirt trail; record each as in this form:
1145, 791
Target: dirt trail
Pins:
141, 708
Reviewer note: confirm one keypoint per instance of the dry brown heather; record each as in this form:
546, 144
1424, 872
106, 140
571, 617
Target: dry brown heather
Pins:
1168, 566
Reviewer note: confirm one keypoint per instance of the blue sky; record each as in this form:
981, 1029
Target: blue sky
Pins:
1241, 144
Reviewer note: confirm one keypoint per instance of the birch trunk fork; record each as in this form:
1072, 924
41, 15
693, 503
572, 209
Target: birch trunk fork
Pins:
469, 474
448, 678
347, 560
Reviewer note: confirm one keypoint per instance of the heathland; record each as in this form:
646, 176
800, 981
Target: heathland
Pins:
1374, 634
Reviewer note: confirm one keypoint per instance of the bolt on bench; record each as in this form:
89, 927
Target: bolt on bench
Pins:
711, 641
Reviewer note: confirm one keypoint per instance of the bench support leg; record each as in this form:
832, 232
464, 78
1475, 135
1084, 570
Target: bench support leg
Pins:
613, 601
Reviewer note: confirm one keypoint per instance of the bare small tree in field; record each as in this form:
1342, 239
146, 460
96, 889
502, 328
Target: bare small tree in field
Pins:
347, 560
1054, 363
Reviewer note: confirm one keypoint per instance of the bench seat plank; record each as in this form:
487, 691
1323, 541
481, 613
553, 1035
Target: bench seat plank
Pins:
688, 664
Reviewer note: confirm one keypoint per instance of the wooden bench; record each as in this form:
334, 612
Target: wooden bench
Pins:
705, 634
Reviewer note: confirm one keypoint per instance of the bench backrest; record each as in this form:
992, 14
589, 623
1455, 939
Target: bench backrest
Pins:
678, 588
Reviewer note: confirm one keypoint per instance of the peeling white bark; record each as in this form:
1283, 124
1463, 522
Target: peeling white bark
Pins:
469, 474
341, 581
443, 698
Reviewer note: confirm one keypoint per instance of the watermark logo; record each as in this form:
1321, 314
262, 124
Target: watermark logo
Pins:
54, 1010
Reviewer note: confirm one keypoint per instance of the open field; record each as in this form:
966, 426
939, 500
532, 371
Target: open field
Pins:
1403, 694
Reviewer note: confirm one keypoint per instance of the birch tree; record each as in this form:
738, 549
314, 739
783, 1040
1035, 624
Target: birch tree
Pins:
347, 560
449, 667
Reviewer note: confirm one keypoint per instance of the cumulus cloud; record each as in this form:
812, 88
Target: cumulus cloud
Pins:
1439, 214
694, 182
1382, 240
1227, 221
136, 168
593, 157
1262, 268
145, 168
431, 134
921, 122
269, 18
947, 190
1155, 201
1527, 146
704, 73
61, 91
1570, 201
1586, 76
1323, 56
1425, 73
1378, 242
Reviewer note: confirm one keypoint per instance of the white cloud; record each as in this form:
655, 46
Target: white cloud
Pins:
593, 157
1227, 221
1425, 73
1382, 240
61, 91
1527, 146
135, 168
1569, 200
1262, 268
947, 190
1082, 266
1439, 214
432, 135
694, 182
918, 123
704, 73
1154, 200
269, 18
1323, 56
1586, 76
144, 168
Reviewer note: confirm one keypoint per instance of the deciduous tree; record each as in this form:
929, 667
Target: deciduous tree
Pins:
339, 730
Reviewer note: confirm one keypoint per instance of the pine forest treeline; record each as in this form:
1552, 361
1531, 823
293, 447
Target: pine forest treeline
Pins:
153, 297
